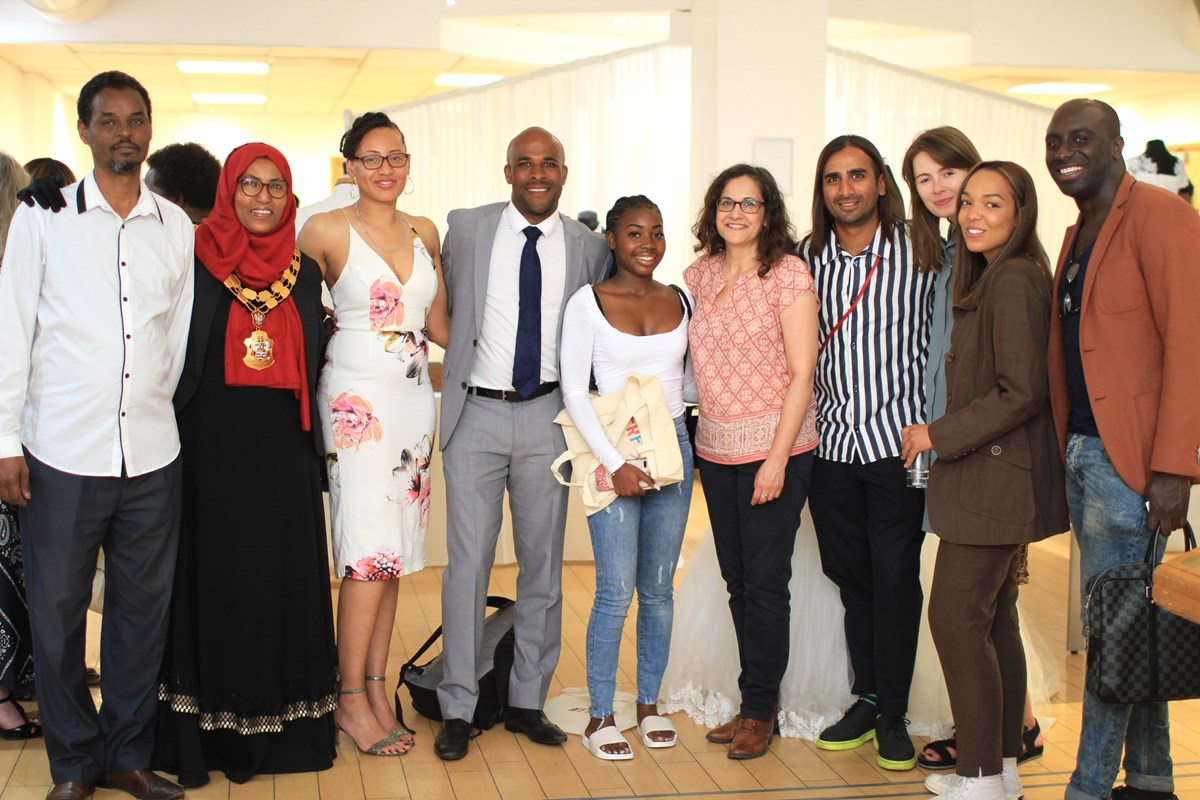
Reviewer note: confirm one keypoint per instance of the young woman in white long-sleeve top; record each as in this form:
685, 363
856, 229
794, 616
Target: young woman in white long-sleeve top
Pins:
630, 323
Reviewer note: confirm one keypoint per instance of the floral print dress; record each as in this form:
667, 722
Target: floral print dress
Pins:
378, 415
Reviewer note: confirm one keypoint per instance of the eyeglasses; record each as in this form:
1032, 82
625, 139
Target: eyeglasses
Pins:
1068, 305
252, 186
749, 204
374, 161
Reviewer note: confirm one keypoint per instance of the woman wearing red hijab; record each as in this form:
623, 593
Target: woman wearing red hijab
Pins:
249, 681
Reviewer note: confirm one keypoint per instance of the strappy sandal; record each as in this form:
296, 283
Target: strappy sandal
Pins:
1029, 737
1032, 749
946, 759
26, 730
377, 748
401, 730
609, 734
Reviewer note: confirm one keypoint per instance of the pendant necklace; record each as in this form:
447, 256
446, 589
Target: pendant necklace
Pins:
260, 347
371, 238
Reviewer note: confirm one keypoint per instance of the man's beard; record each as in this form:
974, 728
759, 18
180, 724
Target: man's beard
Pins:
124, 167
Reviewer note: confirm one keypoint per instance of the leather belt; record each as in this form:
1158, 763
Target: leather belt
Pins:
510, 395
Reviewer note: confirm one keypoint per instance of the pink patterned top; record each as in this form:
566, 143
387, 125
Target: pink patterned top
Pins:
737, 356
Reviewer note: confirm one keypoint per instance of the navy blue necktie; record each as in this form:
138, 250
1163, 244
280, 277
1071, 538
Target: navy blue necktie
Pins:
527, 359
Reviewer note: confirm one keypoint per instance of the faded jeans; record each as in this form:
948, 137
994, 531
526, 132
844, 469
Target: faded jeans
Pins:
636, 541
1109, 519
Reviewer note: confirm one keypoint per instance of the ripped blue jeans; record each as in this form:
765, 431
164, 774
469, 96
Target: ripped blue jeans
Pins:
636, 541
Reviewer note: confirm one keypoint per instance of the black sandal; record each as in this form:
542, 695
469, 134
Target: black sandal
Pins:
26, 730
1032, 750
946, 760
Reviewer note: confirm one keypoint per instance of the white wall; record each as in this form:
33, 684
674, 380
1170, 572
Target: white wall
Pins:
37, 120
308, 141
1099, 34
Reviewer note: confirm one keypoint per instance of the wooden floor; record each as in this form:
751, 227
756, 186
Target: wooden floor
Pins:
504, 765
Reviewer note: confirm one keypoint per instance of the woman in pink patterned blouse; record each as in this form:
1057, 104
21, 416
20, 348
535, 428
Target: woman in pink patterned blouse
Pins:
754, 348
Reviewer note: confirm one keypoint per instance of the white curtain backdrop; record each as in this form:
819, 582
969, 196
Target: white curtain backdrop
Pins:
889, 105
623, 120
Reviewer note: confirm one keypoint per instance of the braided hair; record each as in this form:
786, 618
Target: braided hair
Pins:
624, 204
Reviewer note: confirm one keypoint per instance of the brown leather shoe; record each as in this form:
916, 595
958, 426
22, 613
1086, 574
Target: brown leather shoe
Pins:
752, 738
142, 784
71, 790
723, 734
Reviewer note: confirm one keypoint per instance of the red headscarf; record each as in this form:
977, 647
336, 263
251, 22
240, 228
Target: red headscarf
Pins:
224, 246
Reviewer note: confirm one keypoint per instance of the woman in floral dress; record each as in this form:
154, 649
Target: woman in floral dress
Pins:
377, 411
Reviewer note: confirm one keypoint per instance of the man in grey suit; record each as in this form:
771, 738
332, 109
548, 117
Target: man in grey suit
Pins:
509, 270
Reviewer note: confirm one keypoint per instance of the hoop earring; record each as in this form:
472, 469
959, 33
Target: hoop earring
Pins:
408, 185
354, 191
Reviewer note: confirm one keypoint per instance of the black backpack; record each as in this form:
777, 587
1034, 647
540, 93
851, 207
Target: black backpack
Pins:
492, 670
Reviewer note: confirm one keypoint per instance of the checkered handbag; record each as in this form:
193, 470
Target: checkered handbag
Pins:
1137, 651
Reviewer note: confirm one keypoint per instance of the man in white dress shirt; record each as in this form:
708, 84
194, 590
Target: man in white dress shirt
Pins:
95, 303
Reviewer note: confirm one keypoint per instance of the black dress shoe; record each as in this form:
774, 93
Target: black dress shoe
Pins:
533, 723
451, 744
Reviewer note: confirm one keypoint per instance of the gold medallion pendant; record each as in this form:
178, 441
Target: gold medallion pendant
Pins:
260, 348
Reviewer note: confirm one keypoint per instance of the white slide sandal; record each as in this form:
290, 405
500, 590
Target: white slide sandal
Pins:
609, 734
657, 724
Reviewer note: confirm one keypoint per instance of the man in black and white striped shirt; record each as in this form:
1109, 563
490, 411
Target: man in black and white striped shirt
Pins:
874, 327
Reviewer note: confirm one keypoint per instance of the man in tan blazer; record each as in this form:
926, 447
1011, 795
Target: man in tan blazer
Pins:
1124, 379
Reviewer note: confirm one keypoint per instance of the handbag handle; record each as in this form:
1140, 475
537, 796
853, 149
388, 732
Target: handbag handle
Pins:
1189, 541
555, 468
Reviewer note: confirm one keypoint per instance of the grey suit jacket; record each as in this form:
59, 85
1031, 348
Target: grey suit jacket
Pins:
466, 261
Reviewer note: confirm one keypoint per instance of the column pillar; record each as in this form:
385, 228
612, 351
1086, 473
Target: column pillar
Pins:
758, 73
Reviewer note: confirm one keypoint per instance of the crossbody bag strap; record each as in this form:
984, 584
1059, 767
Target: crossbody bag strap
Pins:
853, 305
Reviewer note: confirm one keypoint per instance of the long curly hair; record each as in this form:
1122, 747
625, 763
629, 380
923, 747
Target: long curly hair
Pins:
777, 237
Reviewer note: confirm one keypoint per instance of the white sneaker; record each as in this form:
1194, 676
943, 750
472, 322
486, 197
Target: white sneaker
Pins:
941, 782
1012, 784
956, 787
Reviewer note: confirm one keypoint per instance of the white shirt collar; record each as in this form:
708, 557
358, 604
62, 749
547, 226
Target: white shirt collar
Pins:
89, 196
550, 226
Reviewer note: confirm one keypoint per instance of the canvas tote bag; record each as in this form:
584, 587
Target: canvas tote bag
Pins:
638, 423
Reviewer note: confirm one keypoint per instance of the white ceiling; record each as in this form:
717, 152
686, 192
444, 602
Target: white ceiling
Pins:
1152, 104
323, 80
312, 79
